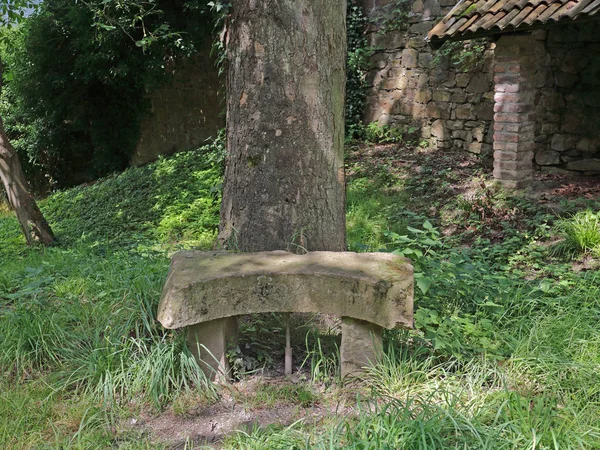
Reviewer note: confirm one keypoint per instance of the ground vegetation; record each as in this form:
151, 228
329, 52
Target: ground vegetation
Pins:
504, 353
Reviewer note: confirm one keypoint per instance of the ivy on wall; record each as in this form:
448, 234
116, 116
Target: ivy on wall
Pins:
465, 56
356, 68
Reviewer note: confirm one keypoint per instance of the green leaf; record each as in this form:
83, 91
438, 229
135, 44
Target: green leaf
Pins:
423, 284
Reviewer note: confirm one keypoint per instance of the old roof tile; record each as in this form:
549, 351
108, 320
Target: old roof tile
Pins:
473, 18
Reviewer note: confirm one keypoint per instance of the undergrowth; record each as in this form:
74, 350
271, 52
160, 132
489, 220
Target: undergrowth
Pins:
504, 354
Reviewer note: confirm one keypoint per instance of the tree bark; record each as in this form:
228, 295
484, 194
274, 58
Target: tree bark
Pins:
32, 222
284, 183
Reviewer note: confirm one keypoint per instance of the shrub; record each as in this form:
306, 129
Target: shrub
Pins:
76, 91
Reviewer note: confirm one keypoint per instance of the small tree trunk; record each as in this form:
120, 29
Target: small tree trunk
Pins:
284, 183
32, 222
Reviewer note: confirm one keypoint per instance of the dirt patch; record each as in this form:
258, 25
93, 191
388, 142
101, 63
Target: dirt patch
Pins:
244, 407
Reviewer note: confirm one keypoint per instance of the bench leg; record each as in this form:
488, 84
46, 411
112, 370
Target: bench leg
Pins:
209, 341
362, 345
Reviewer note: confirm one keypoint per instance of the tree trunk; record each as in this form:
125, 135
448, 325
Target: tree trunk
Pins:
32, 222
284, 183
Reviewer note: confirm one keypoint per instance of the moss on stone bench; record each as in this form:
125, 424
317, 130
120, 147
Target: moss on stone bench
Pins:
368, 290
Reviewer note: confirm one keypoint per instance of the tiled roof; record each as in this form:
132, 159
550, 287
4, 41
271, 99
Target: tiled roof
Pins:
473, 18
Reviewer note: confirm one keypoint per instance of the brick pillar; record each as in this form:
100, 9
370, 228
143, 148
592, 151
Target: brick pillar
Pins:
514, 122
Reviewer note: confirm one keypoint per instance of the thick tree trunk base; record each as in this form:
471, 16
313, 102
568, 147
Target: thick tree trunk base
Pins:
284, 184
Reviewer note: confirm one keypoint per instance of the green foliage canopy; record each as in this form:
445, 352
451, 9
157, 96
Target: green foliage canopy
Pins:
79, 77
14, 11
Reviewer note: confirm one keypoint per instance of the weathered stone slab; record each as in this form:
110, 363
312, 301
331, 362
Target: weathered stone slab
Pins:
205, 286
584, 165
362, 345
209, 342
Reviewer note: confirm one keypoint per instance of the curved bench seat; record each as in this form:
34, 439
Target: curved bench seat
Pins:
204, 287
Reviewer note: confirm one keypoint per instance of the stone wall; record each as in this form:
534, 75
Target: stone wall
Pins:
567, 133
185, 112
411, 85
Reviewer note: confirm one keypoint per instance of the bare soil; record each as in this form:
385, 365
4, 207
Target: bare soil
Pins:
240, 409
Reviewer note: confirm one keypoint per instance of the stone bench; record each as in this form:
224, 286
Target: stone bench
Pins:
204, 291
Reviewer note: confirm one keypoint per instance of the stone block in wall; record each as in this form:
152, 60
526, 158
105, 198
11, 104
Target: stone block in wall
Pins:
462, 134
549, 128
450, 80
479, 84
562, 142
389, 41
475, 147
425, 132
419, 111
584, 165
588, 145
375, 78
459, 97
438, 130
422, 96
565, 79
417, 42
421, 28
488, 97
473, 98
478, 133
462, 79
431, 9
465, 111
543, 77
573, 123
426, 60
570, 155
423, 79
455, 125
410, 57
458, 144
547, 158
379, 60
438, 110
573, 62
488, 61
394, 59
398, 82
484, 111
555, 171
549, 98
441, 96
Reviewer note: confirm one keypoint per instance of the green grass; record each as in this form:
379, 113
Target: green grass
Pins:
505, 354
369, 210
79, 318
580, 235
